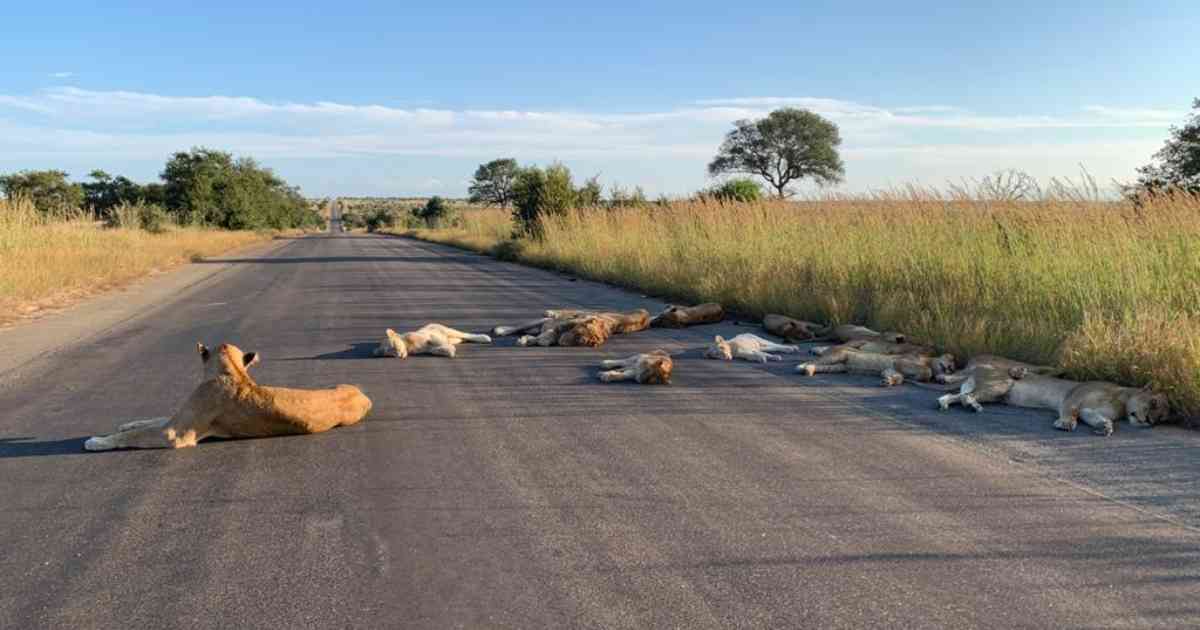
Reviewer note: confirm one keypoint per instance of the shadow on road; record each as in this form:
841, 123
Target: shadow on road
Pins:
363, 350
318, 260
26, 447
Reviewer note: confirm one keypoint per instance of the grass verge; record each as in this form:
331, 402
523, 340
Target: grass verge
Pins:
48, 264
1107, 289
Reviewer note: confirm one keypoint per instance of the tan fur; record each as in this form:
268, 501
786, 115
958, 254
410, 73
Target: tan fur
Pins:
434, 339
982, 361
228, 403
651, 368
878, 347
851, 332
1097, 404
893, 369
790, 329
683, 316
577, 328
747, 347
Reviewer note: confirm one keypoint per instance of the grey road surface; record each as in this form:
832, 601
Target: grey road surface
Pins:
507, 488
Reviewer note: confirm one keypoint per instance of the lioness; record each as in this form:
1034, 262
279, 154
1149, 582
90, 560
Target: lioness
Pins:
1096, 403
892, 368
651, 368
577, 328
878, 347
747, 347
228, 403
790, 329
683, 316
433, 339
851, 332
985, 361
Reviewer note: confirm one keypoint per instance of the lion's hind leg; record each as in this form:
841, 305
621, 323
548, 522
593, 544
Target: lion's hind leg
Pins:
612, 376
133, 424
504, 331
620, 363
161, 433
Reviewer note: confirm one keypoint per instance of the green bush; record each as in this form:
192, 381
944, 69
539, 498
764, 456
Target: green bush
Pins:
736, 189
541, 192
49, 191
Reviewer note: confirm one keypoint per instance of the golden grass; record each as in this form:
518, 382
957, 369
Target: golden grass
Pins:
1107, 289
46, 264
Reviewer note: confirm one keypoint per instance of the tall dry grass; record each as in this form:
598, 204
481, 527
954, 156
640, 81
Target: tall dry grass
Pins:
1107, 289
49, 261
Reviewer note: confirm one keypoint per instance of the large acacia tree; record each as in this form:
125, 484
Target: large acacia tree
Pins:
493, 182
788, 145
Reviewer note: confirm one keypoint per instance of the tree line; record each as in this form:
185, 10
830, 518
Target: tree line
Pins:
198, 187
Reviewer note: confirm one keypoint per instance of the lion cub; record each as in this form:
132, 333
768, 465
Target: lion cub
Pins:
229, 404
748, 347
651, 368
434, 339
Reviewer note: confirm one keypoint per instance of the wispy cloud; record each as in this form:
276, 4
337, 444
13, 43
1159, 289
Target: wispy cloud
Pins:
71, 121
62, 75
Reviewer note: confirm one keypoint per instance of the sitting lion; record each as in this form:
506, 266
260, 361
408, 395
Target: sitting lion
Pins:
651, 368
893, 369
229, 404
747, 347
683, 316
434, 339
576, 328
1098, 404
790, 329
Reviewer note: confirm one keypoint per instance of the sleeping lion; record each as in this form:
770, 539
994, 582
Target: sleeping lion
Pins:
434, 339
650, 368
892, 368
576, 328
229, 404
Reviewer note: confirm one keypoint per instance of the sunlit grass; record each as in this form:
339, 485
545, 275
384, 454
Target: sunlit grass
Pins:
48, 262
1107, 289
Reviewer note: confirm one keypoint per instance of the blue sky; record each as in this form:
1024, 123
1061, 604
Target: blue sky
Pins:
376, 98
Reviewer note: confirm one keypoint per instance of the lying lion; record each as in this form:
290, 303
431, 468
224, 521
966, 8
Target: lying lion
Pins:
877, 347
790, 329
850, 332
229, 404
747, 347
434, 339
652, 368
989, 361
683, 316
1098, 404
892, 368
576, 328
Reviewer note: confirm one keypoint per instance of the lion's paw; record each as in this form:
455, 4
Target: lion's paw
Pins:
1105, 429
98, 444
1065, 424
807, 369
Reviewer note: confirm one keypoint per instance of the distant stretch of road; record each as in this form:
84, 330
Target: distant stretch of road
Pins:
507, 488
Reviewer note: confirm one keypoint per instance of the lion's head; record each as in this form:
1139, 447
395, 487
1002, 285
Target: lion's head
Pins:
657, 369
719, 349
944, 364
228, 360
589, 331
392, 346
1147, 408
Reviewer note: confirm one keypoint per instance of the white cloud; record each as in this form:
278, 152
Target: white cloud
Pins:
901, 141
62, 75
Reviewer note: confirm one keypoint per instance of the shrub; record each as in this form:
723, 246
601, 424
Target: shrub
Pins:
538, 193
736, 189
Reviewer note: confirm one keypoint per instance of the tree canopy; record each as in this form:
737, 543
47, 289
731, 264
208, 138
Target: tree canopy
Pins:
493, 182
788, 145
1177, 164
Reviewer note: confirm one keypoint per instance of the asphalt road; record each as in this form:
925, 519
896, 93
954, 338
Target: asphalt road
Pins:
508, 488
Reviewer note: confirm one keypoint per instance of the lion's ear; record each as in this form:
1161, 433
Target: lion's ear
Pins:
204, 353
250, 358
718, 339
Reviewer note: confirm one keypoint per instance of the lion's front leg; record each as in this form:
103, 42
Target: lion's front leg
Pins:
137, 423
619, 363
163, 433
1100, 423
504, 331
612, 376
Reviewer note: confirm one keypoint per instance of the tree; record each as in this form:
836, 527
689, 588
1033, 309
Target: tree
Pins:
49, 191
434, 212
1177, 164
493, 182
193, 182
105, 192
212, 188
788, 145
540, 192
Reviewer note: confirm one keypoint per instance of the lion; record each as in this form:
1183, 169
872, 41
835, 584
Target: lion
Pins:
229, 404
892, 368
576, 328
844, 333
790, 329
434, 339
747, 347
683, 316
877, 347
991, 361
650, 368
1097, 404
